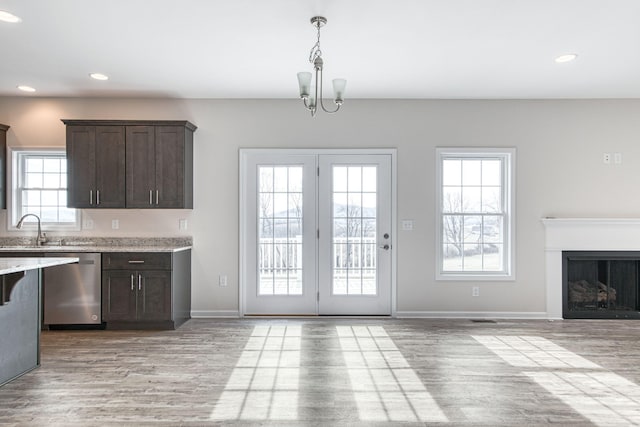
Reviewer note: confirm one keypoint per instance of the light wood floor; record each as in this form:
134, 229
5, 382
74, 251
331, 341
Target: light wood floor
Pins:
334, 372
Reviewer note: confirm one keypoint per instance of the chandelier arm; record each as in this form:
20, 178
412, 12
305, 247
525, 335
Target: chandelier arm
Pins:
322, 103
306, 104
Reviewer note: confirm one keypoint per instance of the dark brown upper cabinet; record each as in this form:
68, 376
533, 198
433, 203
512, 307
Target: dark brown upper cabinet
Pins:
3, 166
151, 165
159, 167
95, 166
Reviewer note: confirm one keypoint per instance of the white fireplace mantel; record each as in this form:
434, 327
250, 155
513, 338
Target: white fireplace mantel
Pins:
582, 234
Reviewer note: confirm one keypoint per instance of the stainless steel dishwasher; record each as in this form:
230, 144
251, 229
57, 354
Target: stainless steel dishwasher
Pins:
72, 292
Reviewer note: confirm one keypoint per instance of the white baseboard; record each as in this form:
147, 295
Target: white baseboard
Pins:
208, 314
472, 315
212, 314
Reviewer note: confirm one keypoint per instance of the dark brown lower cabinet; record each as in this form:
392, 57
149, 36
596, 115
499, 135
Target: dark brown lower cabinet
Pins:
136, 294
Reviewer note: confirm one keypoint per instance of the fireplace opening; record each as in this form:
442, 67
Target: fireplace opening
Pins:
600, 285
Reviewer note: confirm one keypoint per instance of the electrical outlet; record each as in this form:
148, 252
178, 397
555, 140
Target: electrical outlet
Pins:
115, 224
87, 224
182, 224
606, 158
475, 291
222, 280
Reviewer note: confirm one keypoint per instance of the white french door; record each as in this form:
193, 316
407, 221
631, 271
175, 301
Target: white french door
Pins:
279, 244
315, 233
354, 246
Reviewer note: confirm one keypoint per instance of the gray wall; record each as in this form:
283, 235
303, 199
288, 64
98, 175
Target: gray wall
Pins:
559, 172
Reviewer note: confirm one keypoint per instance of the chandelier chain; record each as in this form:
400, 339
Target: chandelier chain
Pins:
315, 50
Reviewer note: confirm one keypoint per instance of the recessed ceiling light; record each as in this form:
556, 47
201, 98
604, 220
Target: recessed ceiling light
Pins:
8, 17
99, 76
26, 88
566, 58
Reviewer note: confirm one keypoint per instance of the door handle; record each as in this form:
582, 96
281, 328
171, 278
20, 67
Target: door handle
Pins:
97, 197
91, 197
139, 282
132, 282
150, 197
385, 247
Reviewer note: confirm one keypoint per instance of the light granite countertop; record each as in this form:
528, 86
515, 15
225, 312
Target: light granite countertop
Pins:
16, 265
92, 248
96, 244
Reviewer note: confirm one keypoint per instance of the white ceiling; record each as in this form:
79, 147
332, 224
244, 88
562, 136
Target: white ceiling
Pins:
384, 48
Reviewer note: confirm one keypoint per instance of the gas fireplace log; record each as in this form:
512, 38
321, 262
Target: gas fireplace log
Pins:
584, 292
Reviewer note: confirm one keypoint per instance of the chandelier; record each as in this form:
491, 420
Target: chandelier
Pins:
304, 78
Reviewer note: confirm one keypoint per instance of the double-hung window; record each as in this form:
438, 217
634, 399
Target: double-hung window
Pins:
475, 213
39, 186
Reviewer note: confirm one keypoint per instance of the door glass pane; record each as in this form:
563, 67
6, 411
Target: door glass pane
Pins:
354, 237
280, 230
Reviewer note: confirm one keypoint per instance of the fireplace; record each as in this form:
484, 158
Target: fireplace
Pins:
600, 284
606, 236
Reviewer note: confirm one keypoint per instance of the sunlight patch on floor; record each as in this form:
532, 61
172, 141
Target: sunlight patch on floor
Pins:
603, 397
264, 383
533, 352
385, 387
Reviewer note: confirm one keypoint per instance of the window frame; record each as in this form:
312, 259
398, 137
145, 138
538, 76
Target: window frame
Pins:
16, 156
508, 157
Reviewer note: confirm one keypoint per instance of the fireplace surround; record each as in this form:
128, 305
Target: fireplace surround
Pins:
609, 235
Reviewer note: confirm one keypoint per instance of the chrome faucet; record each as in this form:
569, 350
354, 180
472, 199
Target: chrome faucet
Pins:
41, 237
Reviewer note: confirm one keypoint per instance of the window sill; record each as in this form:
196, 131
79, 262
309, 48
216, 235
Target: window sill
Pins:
475, 277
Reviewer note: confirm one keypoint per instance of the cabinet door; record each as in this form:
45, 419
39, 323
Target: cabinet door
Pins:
141, 167
110, 167
119, 288
81, 161
154, 295
170, 162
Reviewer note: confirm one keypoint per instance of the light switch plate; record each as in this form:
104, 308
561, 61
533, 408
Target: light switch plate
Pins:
617, 158
115, 224
87, 224
182, 224
407, 225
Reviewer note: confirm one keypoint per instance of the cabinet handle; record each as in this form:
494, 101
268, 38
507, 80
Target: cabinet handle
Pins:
156, 197
150, 197
139, 282
97, 197
132, 282
135, 261
91, 197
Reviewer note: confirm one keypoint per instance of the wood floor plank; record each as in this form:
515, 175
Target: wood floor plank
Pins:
326, 371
